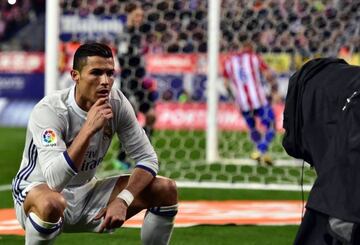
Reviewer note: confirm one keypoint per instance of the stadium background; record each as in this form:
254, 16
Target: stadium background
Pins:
285, 33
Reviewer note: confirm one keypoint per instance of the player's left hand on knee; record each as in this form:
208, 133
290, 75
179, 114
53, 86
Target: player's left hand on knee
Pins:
114, 215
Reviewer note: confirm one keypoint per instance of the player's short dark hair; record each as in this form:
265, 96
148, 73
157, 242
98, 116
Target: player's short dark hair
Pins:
87, 50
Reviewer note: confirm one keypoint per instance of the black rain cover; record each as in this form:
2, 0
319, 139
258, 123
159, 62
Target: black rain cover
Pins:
322, 126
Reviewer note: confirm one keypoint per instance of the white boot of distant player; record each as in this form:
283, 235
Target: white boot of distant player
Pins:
39, 232
158, 225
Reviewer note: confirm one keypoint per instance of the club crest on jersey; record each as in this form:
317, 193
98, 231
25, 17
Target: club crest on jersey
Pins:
49, 137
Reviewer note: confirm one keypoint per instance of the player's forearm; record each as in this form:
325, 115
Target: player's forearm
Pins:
78, 147
139, 179
58, 171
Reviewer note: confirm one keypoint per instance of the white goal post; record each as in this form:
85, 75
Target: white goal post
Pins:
212, 154
52, 24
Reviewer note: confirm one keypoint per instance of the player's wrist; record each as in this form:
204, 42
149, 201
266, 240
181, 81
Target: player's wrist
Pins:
126, 196
88, 131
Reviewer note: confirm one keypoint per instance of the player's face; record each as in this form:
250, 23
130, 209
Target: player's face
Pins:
94, 81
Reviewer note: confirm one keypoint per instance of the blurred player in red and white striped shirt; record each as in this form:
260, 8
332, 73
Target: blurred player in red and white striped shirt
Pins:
245, 70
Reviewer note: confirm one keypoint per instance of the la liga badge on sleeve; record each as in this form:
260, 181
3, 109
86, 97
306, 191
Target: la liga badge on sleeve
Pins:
49, 137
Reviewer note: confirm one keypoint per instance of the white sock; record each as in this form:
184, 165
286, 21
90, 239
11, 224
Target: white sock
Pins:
39, 232
158, 225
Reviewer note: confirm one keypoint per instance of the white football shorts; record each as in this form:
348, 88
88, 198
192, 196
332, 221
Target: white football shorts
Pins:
83, 204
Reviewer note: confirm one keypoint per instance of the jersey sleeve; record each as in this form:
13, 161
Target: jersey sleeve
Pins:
47, 129
134, 139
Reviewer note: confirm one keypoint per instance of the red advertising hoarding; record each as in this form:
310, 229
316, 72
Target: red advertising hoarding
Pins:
22, 62
185, 116
180, 63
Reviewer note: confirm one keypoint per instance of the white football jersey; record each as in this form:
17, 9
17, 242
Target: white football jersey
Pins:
54, 123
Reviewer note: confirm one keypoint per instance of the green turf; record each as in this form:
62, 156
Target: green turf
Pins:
6, 199
11, 147
209, 235
237, 194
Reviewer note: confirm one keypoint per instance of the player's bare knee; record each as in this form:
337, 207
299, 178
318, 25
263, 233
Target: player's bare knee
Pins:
171, 191
52, 207
62, 202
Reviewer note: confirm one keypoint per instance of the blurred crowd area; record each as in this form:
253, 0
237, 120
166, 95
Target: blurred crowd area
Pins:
22, 25
305, 27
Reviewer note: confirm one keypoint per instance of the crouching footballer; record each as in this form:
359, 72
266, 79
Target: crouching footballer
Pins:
68, 135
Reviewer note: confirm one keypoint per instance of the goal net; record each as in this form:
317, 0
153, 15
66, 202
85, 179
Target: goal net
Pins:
163, 54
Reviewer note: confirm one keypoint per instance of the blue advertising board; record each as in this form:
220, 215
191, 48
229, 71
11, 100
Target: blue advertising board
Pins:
22, 85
